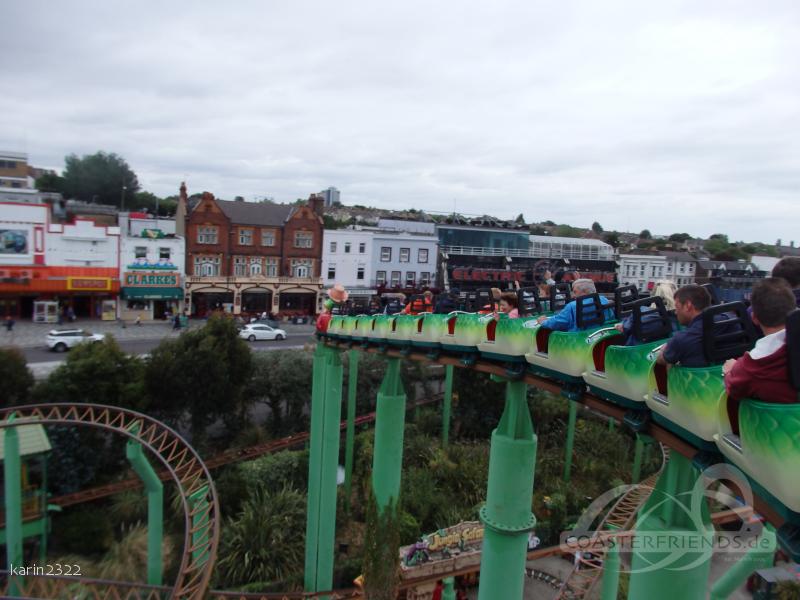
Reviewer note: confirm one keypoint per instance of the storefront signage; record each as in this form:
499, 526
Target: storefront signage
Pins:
151, 280
161, 265
153, 234
487, 275
458, 541
89, 284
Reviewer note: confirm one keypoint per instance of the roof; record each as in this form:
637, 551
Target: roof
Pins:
684, 256
554, 239
255, 213
32, 440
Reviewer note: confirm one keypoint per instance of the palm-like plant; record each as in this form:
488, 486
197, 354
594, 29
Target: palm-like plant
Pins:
265, 542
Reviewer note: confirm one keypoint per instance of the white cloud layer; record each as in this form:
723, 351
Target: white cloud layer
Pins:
672, 116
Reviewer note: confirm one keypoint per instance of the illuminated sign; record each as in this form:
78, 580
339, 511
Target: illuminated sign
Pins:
89, 284
487, 275
139, 279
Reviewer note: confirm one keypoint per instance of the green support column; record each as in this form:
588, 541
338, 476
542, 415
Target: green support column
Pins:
449, 588
610, 583
200, 524
637, 459
155, 509
352, 390
611, 424
507, 516
674, 535
448, 403
573, 411
326, 410
12, 467
387, 460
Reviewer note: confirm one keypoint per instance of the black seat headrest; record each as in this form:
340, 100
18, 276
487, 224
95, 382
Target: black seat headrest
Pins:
560, 296
528, 301
728, 332
590, 311
623, 295
659, 324
711, 292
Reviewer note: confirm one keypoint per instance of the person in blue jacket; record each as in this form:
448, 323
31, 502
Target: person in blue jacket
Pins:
567, 319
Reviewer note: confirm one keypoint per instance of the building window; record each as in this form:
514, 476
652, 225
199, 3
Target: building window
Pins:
331, 271
239, 266
164, 254
140, 251
207, 235
380, 278
395, 278
271, 267
641, 270
267, 237
422, 255
333, 247
386, 254
405, 254
206, 266
347, 247
255, 266
425, 278
360, 273
411, 278
362, 248
301, 267
245, 237
303, 239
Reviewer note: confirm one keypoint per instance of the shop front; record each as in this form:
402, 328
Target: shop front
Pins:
150, 295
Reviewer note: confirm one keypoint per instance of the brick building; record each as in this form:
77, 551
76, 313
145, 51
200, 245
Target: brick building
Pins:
247, 257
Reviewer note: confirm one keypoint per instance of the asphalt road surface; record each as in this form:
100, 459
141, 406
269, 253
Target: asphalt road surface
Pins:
45, 355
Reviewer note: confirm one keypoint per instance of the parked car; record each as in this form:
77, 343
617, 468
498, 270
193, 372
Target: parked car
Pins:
256, 331
270, 322
61, 340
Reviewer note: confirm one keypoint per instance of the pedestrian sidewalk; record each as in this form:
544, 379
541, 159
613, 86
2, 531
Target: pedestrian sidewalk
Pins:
29, 335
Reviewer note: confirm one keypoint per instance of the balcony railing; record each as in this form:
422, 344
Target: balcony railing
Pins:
254, 279
555, 251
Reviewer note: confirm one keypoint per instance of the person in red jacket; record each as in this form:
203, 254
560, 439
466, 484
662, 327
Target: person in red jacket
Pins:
763, 372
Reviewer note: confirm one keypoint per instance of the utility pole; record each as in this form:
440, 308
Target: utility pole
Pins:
122, 198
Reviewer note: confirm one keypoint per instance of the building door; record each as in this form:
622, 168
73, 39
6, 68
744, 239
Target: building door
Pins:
9, 307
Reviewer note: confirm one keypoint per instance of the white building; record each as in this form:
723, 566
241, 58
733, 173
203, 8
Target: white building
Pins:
331, 196
152, 260
367, 260
644, 270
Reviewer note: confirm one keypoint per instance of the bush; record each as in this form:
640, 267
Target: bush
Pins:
16, 377
83, 531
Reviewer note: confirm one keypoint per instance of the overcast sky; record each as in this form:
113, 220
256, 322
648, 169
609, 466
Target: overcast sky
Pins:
672, 116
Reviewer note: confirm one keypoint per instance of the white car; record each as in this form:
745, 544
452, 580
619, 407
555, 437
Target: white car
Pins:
256, 331
63, 339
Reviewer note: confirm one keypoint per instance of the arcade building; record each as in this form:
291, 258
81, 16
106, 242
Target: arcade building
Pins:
496, 255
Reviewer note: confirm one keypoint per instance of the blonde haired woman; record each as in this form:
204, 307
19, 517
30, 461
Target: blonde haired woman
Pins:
666, 291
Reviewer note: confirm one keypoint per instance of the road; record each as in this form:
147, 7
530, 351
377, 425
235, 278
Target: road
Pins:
42, 361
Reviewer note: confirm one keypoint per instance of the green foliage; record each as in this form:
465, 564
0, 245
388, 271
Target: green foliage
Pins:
597, 228
100, 177
149, 202
538, 230
83, 531
679, 237
204, 373
520, 220
330, 222
788, 590
381, 560
126, 558
612, 239
568, 231
479, 407
100, 373
16, 377
50, 182
645, 234
282, 381
265, 542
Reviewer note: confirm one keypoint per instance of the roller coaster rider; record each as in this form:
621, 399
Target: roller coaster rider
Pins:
566, 319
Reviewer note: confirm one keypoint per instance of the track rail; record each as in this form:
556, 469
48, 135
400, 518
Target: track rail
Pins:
182, 463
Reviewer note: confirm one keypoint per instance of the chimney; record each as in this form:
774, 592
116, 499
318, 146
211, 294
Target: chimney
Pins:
317, 203
180, 212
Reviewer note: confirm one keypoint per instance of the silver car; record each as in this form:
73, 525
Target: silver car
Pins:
256, 331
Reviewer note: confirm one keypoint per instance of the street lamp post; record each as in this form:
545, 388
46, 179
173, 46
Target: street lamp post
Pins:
122, 199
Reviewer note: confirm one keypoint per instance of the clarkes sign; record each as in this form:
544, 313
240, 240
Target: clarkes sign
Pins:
143, 279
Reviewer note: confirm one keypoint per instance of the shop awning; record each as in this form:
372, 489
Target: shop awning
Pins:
152, 293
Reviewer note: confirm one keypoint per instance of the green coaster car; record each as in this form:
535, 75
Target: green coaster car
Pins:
362, 328
564, 355
621, 373
767, 448
427, 329
380, 329
462, 332
507, 340
335, 327
686, 400
398, 332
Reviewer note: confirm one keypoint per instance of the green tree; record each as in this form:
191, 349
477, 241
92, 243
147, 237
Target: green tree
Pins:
597, 228
568, 231
645, 234
520, 220
154, 204
679, 237
381, 564
102, 177
612, 239
50, 182
264, 543
201, 375
16, 377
